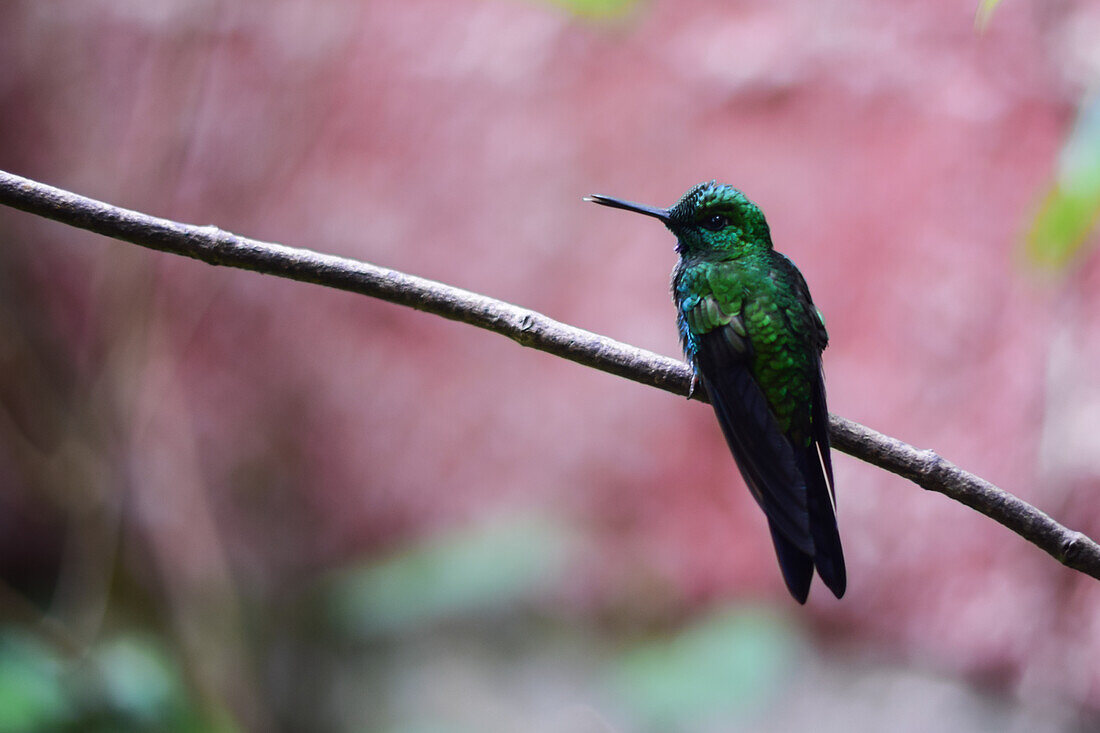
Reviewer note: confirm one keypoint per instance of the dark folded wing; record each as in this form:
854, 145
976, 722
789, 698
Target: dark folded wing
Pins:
763, 453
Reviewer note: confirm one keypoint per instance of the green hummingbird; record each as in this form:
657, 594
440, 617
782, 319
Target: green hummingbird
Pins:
754, 340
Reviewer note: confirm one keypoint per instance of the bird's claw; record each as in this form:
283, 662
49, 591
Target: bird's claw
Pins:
692, 385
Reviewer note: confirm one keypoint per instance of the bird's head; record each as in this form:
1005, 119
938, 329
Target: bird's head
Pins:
711, 221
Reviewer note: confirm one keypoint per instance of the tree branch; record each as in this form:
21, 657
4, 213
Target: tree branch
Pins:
535, 330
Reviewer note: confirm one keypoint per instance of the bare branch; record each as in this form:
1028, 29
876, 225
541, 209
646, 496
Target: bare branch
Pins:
535, 330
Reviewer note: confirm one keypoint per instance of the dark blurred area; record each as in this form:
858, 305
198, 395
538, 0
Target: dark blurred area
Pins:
231, 502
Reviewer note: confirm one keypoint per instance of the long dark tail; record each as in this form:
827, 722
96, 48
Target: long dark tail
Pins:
828, 555
797, 566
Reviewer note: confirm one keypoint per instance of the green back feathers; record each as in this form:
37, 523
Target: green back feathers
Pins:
761, 317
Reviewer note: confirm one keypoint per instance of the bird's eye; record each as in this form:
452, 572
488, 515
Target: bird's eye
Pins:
716, 222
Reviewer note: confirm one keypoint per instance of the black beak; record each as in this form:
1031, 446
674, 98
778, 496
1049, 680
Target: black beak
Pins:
661, 214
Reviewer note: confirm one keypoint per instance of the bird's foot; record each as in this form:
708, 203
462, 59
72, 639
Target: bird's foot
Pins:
693, 385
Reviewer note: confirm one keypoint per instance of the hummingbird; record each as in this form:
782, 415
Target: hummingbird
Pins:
754, 338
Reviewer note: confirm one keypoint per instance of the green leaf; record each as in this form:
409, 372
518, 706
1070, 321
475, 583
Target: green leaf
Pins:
1071, 206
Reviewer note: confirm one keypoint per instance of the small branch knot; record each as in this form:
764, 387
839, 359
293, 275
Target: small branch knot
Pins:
928, 461
1072, 547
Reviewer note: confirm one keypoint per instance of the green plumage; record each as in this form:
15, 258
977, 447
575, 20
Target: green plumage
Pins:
754, 339
755, 299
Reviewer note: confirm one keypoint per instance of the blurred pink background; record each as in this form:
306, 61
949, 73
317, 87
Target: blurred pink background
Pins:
231, 476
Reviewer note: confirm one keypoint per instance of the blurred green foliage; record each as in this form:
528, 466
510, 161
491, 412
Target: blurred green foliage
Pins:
127, 683
138, 677
595, 9
727, 664
985, 13
450, 574
31, 694
1068, 213
730, 664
